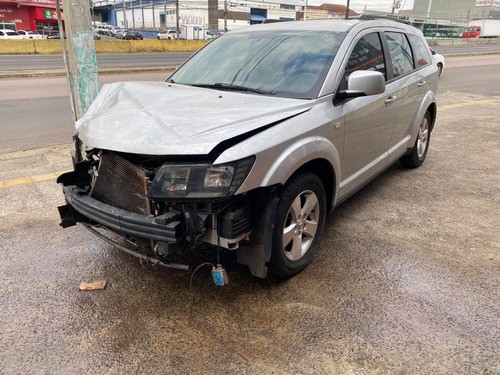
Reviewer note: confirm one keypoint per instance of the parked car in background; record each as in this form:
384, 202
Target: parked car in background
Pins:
9, 34
28, 34
97, 36
252, 141
167, 35
209, 35
115, 31
104, 29
121, 33
439, 61
132, 35
55, 36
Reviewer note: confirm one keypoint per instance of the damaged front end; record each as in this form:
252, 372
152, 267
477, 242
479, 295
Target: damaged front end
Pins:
167, 204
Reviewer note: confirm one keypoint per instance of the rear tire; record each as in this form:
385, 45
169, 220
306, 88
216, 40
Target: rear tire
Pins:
300, 218
416, 156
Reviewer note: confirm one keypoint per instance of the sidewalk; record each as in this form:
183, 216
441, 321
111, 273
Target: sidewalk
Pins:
31, 166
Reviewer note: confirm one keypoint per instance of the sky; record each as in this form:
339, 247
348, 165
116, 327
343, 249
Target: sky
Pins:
359, 5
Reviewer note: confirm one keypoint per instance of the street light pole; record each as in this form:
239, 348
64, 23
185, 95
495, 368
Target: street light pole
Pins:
225, 15
177, 19
125, 23
347, 10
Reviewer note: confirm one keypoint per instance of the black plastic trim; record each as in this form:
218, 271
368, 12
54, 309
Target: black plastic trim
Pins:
120, 220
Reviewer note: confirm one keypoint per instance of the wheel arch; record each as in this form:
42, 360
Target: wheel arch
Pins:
432, 109
324, 170
315, 154
427, 105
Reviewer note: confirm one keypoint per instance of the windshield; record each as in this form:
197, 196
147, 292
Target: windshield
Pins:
283, 63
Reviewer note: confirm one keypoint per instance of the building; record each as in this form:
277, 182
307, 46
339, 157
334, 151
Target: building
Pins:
328, 11
456, 10
212, 14
36, 15
447, 18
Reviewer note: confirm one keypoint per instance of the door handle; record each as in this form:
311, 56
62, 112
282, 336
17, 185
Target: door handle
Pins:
390, 99
421, 83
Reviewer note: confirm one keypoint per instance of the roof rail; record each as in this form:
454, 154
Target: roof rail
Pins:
368, 17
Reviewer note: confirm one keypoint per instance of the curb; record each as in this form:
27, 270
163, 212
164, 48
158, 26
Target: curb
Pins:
464, 54
62, 72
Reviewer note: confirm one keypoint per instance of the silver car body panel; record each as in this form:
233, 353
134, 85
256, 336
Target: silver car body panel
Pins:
158, 118
284, 148
359, 138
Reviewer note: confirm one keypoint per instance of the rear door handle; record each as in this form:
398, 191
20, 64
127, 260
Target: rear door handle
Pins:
421, 83
390, 99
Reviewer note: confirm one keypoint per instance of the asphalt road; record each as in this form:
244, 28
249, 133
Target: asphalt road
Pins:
161, 60
405, 281
41, 112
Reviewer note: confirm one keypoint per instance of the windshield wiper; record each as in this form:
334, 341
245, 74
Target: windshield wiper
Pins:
230, 87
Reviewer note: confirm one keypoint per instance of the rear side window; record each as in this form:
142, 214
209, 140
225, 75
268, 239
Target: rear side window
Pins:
401, 55
422, 53
367, 55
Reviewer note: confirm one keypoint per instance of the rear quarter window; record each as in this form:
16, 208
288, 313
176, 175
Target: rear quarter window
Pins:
421, 50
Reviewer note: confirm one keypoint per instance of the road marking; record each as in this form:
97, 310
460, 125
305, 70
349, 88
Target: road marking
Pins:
468, 103
31, 179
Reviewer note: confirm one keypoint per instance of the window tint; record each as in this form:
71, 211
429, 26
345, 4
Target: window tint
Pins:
367, 55
401, 55
422, 53
285, 63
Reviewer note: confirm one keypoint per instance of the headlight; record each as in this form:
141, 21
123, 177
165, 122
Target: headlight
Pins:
200, 180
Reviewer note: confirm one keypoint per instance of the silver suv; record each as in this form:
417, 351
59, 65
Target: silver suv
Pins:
252, 141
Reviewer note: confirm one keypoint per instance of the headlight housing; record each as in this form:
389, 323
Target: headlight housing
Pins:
199, 180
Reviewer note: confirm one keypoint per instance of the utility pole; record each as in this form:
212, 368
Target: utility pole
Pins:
80, 59
177, 19
347, 10
225, 15
395, 5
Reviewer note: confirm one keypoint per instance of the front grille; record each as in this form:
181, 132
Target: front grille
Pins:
121, 184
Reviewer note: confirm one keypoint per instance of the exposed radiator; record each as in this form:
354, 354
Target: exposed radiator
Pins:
121, 184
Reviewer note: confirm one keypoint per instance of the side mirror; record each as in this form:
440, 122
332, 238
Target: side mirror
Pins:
433, 52
363, 83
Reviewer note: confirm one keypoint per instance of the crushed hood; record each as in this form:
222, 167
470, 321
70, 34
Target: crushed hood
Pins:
159, 118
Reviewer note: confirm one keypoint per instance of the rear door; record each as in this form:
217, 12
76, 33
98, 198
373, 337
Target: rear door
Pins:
406, 83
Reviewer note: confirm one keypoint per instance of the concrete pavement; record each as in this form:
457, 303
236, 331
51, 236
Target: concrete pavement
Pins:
405, 280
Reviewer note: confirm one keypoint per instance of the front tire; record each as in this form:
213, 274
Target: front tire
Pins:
416, 156
300, 218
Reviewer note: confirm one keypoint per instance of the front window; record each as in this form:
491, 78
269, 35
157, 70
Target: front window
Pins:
283, 63
367, 55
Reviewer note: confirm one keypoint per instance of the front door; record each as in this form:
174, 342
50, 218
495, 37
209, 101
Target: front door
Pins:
368, 120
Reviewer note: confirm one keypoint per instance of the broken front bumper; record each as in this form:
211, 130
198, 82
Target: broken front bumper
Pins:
129, 223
